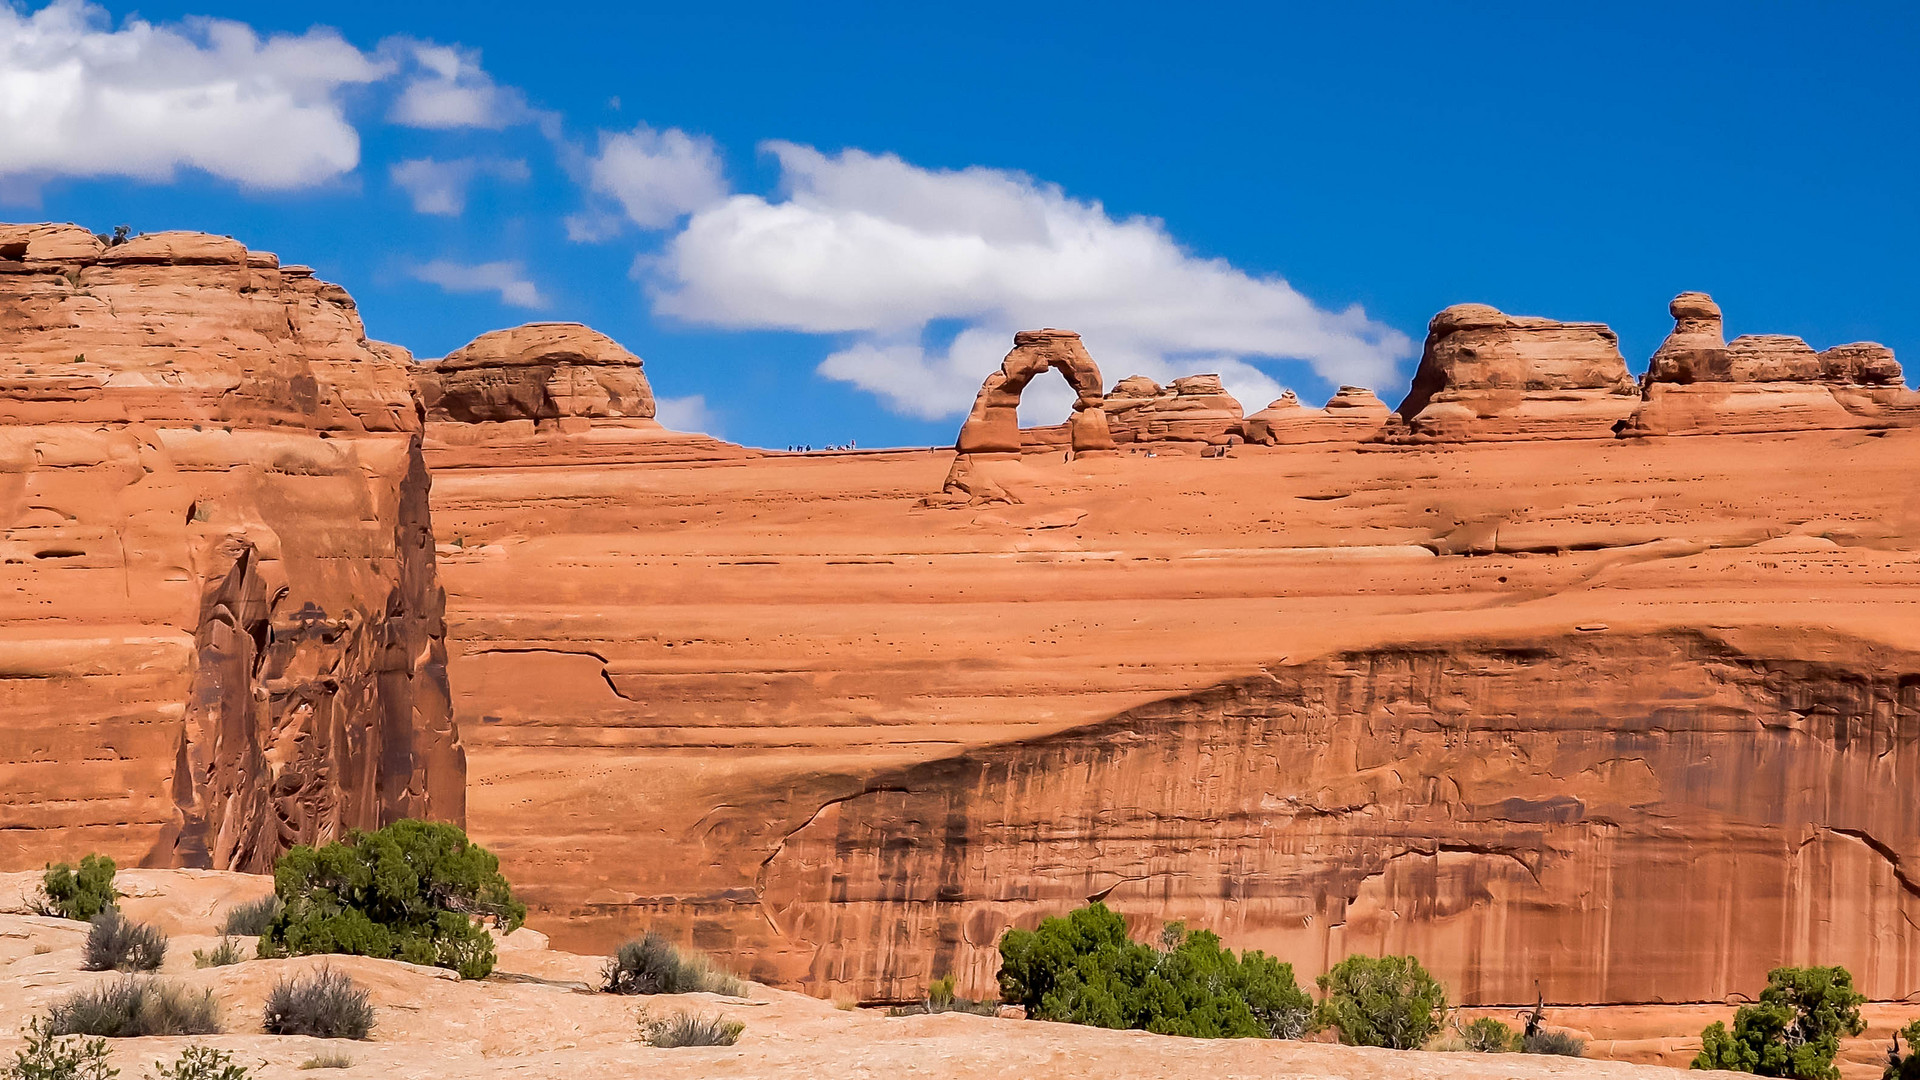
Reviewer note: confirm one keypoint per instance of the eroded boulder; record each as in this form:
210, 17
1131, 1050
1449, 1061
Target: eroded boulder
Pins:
1487, 375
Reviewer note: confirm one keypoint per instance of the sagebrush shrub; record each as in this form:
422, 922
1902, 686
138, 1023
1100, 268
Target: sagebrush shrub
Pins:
1084, 969
689, 1029
136, 1006
250, 919
48, 1056
654, 965
1387, 1001
1553, 1042
221, 955
326, 1004
1487, 1035
117, 943
200, 1063
82, 894
1793, 1030
410, 891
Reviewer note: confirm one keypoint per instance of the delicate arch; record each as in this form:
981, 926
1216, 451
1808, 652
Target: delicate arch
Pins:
994, 424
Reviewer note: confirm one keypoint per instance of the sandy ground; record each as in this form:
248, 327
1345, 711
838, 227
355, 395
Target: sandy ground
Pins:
537, 1016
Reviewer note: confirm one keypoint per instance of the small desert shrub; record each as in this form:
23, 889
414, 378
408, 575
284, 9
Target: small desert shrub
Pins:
689, 1029
654, 965
69, 894
200, 1063
227, 952
941, 999
1553, 1042
117, 943
328, 1059
252, 918
1487, 1036
1793, 1030
1387, 1001
47, 1056
133, 1007
1084, 969
326, 1004
410, 891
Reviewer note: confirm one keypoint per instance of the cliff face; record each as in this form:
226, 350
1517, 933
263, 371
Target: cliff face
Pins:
1621, 719
1513, 680
223, 632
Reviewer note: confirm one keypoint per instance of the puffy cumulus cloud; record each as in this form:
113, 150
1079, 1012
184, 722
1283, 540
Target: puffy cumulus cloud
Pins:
440, 187
508, 280
873, 246
80, 98
447, 88
656, 178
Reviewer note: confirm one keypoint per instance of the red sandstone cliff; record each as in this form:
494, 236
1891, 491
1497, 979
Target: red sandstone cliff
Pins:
1516, 681
224, 632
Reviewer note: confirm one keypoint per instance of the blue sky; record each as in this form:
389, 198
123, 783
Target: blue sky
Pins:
821, 222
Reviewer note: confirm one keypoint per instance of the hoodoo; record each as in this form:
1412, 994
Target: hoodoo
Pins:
1700, 383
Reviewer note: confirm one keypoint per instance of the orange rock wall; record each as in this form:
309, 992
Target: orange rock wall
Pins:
1624, 720
222, 631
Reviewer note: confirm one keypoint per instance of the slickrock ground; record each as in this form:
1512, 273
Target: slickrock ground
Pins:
536, 1018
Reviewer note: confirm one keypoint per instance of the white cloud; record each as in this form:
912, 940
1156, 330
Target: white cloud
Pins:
440, 187
79, 98
449, 89
655, 176
871, 245
508, 279
686, 414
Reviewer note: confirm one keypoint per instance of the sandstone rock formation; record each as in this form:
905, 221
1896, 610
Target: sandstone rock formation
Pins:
993, 426
1353, 415
1486, 375
1699, 383
225, 630
540, 372
1194, 409
1612, 720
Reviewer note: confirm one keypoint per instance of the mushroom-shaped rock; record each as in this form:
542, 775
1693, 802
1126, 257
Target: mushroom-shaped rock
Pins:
1352, 415
1487, 375
1697, 347
993, 425
538, 372
1697, 385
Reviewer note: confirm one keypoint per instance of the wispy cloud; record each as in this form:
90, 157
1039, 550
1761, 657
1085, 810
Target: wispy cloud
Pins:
507, 279
440, 187
687, 414
447, 88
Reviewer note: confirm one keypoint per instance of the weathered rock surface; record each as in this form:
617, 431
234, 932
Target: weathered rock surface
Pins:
223, 631
1487, 375
540, 372
993, 425
1194, 409
1620, 716
1353, 415
1699, 383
